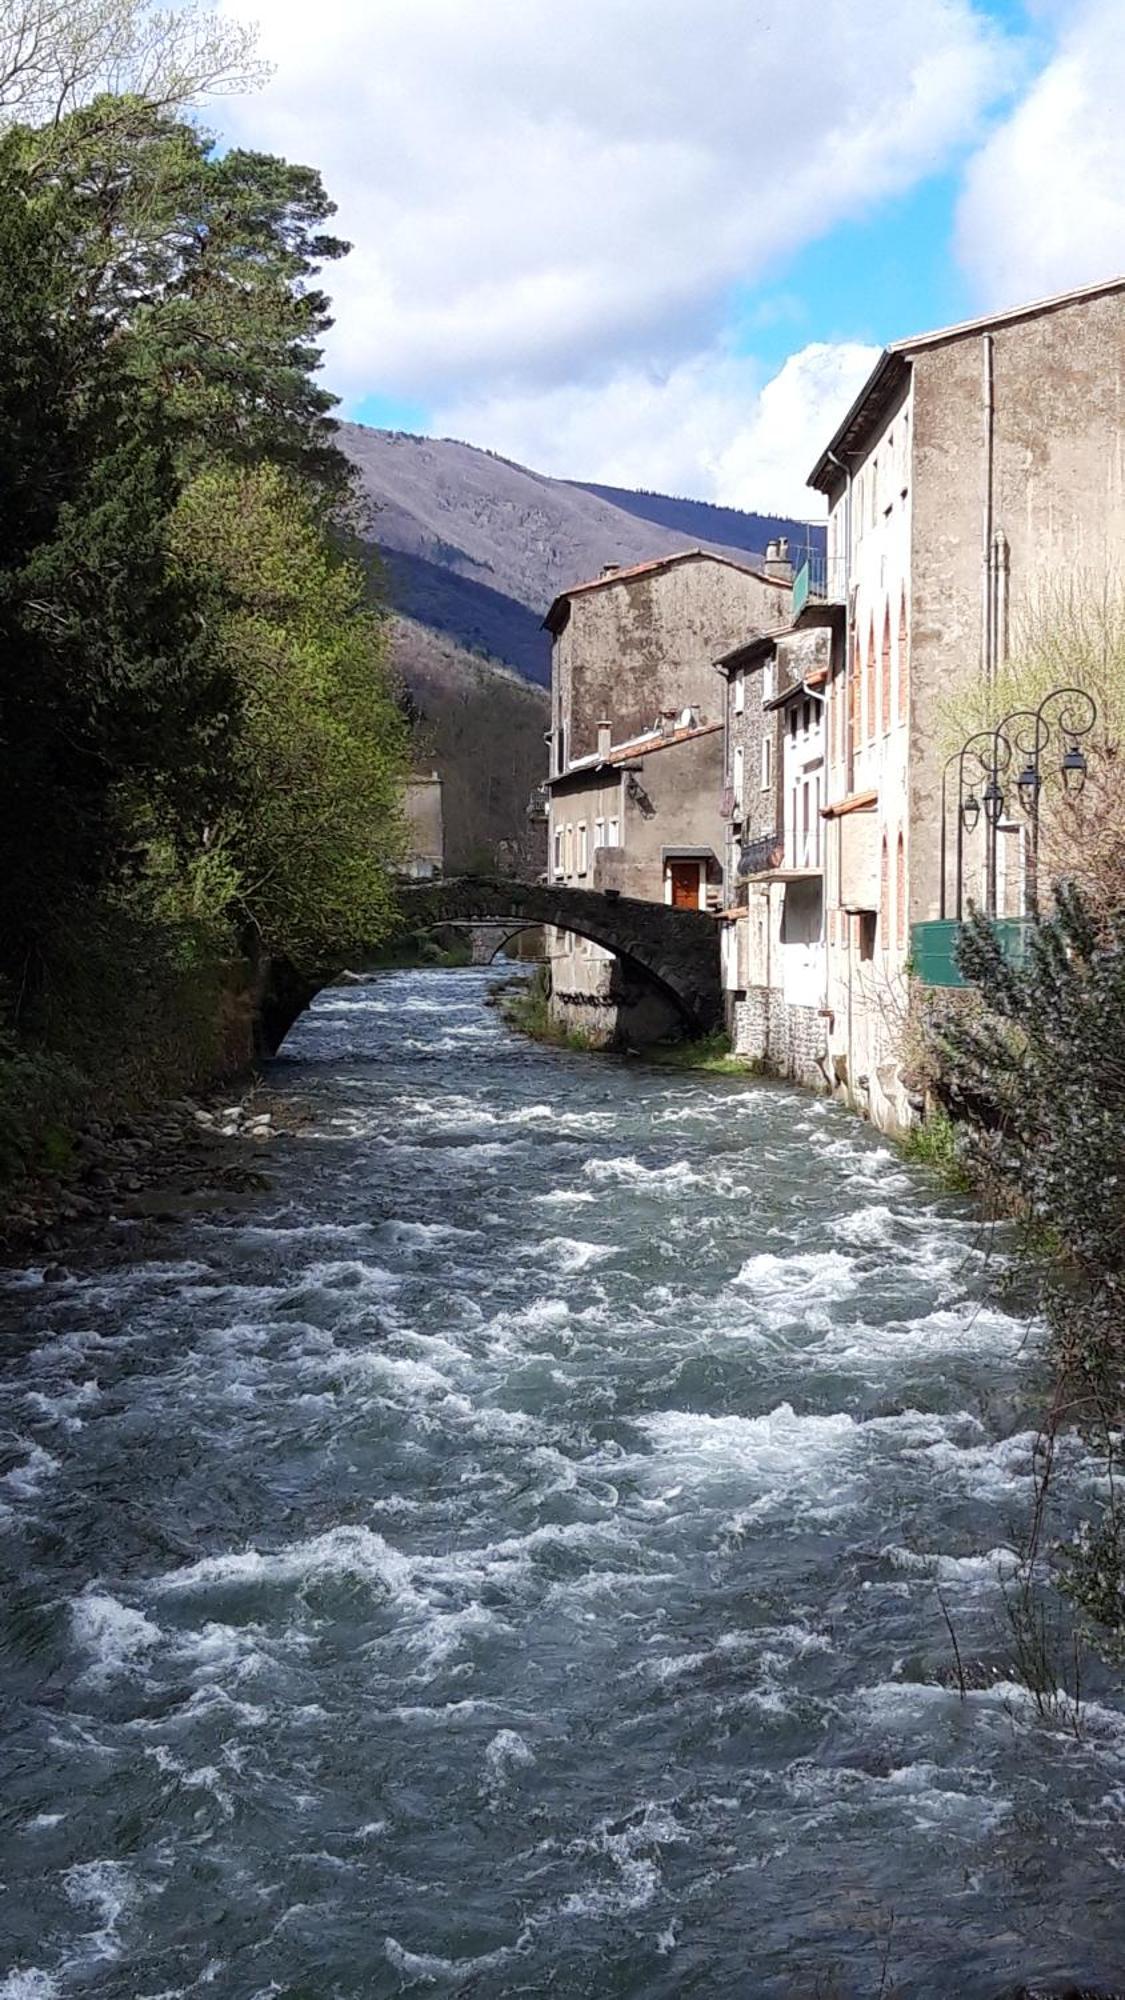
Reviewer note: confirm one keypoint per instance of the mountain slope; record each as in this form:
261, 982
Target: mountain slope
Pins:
707, 523
476, 547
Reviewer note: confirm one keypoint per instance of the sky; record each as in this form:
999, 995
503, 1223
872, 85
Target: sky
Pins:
660, 242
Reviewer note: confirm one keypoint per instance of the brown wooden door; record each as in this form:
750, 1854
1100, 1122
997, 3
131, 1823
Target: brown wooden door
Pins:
685, 884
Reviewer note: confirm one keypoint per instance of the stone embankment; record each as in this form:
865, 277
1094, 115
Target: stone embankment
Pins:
188, 1157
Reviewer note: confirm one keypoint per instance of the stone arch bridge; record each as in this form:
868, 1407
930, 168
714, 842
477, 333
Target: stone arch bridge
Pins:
677, 950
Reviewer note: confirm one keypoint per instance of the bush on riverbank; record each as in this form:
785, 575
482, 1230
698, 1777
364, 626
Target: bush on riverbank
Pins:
1036, 1082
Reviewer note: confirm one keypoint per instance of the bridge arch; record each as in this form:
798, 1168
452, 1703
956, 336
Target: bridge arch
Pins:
678, 950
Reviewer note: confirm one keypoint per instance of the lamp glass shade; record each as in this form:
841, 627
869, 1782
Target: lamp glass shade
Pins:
993, 802
1073, 768
1028, 783
970, 812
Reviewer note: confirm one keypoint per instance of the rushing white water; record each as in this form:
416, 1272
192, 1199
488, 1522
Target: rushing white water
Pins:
507, 1561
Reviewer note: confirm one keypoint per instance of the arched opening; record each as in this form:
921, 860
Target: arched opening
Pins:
903, 659
885, 671
871, 681
900, 894
884, 898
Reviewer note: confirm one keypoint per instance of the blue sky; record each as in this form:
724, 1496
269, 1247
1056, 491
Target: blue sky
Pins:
671, 259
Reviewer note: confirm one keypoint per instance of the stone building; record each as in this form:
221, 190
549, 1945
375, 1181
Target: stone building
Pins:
635, 785
976, 464
425, 829
774, 792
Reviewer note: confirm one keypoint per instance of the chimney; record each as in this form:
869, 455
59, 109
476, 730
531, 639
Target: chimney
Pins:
776, 560
610, 569
605, 738
668, 721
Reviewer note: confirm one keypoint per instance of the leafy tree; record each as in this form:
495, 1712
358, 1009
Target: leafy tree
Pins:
109, 689
57, 54
313, 815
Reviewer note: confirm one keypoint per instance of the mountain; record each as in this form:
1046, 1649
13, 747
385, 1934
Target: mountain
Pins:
475, 546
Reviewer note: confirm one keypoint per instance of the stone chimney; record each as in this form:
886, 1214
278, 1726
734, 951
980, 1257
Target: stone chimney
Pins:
668, 721
776, 560
605, 738
610, 569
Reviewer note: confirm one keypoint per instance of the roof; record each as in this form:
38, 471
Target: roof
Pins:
555, 620
636, 746
751, 653
809, 684
893, 367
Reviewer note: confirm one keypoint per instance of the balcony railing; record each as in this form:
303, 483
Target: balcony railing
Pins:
755, 856
934, 948
821, 579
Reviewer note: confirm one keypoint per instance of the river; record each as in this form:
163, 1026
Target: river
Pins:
506, 1561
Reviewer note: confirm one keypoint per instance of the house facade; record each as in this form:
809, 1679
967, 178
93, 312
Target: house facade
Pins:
636, 759
773, 939
977, 467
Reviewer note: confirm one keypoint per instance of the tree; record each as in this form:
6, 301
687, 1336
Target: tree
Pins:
55, 55
313, 814
110, 691
203, 266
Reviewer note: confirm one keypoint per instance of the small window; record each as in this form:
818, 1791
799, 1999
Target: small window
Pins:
599, 833
739, 692
614, 833
793, 724
583, 854
569, 864
558, 859
769, 677
738, 776
767, 763
866, 934
806, 717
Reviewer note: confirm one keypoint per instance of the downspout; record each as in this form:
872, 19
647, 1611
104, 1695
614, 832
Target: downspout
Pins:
988, 592
988, 554
828, 1015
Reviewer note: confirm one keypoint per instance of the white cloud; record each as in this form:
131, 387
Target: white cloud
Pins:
1043, 207
539, 193
707, 427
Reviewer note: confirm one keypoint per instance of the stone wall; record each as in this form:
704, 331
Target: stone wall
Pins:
788, 1041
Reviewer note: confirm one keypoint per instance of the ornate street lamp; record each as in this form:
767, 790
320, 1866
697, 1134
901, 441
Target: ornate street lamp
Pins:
1027, 732
970, 813
1073, 770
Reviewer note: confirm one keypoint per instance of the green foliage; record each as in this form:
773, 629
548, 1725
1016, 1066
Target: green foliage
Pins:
312, 814
709, 1053
201, 753
1038, 1078
934, 1144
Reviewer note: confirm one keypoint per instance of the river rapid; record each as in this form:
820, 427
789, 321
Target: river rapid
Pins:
506, 1561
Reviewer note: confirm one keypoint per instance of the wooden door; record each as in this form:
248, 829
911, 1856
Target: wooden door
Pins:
685, 884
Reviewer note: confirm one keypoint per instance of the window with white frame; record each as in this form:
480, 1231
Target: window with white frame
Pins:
558, 853
599, 833
767, 762
613, 829
769, 681
569, 865
583, 854
738, 775
739, 692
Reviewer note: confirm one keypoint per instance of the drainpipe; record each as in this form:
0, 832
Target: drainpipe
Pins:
850, 694
988, 554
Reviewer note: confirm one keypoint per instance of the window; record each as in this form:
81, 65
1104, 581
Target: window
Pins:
568, 865
558, 853
884, 896
885, 685
769, 679
806, 717
614, 834
903, 659
599, 833
900, 894
865, 934
767, 762
739, 692
560, 748
583, 852
905, 471
854, 694
738, 776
